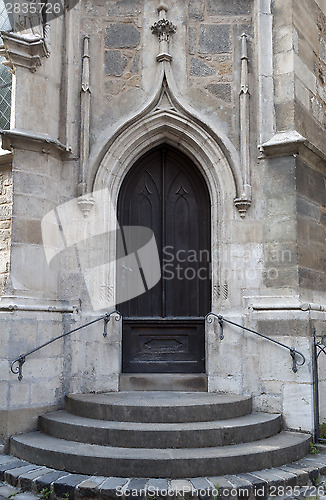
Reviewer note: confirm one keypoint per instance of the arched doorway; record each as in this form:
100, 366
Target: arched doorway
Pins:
163, 329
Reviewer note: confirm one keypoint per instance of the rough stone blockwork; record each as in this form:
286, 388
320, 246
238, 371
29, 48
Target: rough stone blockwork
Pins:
5, 223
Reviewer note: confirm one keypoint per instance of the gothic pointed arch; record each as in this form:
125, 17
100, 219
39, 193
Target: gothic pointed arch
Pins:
165, 119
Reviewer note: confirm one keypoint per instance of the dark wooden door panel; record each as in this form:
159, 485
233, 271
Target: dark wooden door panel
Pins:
173, 346
165, 191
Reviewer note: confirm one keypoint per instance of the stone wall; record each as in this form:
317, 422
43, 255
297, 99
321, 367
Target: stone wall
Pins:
5, 221
311, 210
206, 57
299, 41
281, 238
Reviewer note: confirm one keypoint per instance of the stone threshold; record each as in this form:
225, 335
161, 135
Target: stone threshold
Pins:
21, 480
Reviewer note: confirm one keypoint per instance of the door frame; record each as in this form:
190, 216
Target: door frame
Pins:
149, 342
215, 159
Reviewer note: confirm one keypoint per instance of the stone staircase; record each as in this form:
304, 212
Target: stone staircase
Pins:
160, 435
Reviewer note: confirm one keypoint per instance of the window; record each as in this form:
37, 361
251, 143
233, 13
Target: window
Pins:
5, 75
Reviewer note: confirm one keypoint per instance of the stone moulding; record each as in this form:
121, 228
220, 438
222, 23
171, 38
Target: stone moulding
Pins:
12, 303
288, 143
85, 102
164, 119
286, 303
179, 124
30, 141
23, 51
243, 203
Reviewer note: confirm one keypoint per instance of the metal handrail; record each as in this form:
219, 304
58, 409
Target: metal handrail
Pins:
293, 351
18, 370
318, 349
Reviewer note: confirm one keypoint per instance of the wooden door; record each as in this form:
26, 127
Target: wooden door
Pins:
163, 329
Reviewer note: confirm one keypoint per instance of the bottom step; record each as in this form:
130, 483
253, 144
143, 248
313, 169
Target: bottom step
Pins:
169, 382
156, 463
285, 480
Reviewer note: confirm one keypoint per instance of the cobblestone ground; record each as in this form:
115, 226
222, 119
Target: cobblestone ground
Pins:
317, 492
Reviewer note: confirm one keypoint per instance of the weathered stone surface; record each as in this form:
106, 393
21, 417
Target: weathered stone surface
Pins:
192, 39
311, 183
323, 218
311, 279
124, 8
114, 63
109, 488
89, 487
307, 208
121, 35
229, 7
134, 68
221, 90
214, 39
196, 9
47, 479
66, 485
199, 68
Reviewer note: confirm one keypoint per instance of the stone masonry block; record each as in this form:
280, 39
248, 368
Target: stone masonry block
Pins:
311, 183
11, 465
312, 279
26, 480
46, 480
221, 90
214, 39
199, 68
109, 488
308, 208
89, 487
12, 476
297, 407
5, 212
192, 39
114, 63
124, 8
66, 485
121, 35
302, 94
196, 9
229, 7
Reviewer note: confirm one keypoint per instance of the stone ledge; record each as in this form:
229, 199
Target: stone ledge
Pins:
289, 143
34, 141
34, 478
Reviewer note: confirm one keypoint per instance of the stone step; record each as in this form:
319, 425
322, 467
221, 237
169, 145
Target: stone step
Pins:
159, 406
61, 424
189, 382
94, 459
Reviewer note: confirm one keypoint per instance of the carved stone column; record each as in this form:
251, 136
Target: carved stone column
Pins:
244, 201
84, 201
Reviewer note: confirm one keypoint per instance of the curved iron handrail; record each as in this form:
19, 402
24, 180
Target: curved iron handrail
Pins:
18, 369
293, 352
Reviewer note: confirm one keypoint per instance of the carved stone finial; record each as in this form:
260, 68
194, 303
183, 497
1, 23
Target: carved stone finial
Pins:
162, 6
162, 29
242, 205
85, 204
